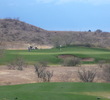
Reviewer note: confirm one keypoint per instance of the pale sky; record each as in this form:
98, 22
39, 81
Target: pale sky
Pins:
65, 15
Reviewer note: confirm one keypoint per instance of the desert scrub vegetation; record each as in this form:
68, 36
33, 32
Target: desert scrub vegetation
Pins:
15, 30
42, 72
87, 75
72, 61
17, 64
105, 67
101, 63
106, 72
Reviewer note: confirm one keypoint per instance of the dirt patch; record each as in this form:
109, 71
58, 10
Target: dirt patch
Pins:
28, 75
8, 77
64, 56
24, 46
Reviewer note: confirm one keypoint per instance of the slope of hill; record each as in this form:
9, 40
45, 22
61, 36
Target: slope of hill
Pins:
17, 32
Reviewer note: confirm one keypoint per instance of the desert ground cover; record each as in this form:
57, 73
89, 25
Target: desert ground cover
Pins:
60, 74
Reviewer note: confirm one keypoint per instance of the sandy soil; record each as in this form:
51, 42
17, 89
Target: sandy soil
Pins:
24, 46
69, 56
28, 75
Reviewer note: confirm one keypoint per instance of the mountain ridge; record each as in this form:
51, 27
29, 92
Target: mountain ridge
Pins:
13, 30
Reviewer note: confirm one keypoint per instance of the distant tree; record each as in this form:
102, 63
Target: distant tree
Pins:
98, 31
89, 30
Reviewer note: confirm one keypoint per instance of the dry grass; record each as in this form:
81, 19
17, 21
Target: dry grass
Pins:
60, 74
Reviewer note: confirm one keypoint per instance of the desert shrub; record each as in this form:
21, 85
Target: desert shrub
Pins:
43, 73
88, 45
101, 63
44, 63
87, 75
11, 65
106, 72
39, 69
72, 61
18, 63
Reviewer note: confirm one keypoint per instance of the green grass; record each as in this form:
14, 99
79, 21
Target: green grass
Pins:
51, 55
56, 91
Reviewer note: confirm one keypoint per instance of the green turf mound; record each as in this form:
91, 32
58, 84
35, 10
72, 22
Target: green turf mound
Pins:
56, 91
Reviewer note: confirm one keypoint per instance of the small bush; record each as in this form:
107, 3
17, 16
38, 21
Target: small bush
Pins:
18, 64
42, 73
43, 63
106, 72
101, 63
72, 61
88, 45
87, 75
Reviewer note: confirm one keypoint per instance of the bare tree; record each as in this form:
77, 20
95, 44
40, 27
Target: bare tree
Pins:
39, 69
43, 73
47, 75
18, 64
87, 75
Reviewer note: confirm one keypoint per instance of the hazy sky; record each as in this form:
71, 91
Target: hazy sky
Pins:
69, 15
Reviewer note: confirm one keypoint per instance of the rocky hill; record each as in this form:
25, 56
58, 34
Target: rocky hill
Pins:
14, 32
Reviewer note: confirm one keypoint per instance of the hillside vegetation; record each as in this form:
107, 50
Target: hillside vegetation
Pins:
15, 31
